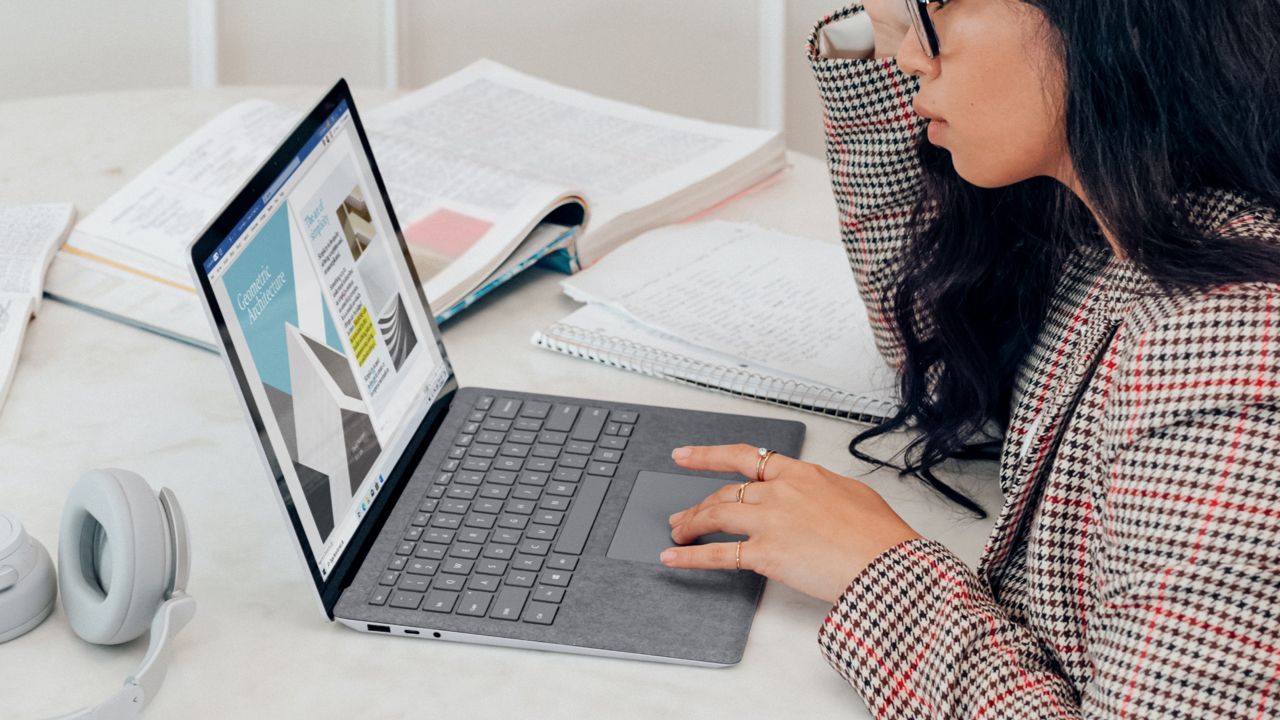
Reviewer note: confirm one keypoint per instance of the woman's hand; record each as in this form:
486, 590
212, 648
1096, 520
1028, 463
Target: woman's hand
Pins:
891, 23
809, 528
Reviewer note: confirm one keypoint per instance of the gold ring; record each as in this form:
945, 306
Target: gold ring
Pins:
737, 556
742, 489
764, 460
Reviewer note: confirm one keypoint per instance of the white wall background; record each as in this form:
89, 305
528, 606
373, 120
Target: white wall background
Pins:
737, 61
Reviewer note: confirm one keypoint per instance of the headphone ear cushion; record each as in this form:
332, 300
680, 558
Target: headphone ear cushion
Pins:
114, 558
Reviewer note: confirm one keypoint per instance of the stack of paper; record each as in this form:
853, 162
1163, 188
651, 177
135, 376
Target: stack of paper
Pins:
29, 236
735, 308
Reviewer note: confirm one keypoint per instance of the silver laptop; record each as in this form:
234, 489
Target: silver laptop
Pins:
425, 509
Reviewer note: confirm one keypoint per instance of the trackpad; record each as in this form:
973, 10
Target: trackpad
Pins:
643, 532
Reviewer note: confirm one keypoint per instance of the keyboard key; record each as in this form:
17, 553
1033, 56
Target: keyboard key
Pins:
522, 437
528, 425
527, 492
484, 583
572, 461
623, 416
496, 425
464, 440
456, 452
509, 463
561, 418
426, 551
518, 578
513, 522
422, 567
505, 408
535, 409
531, 563
577, 526
589, 424
489, 437
475, 604
436, 491
499, 552
540, 613
608, 456
539, 464
521, 507
414, 583
563, 562
492, 567
461, 492
449, 522
457, 507
567, 475
549, 517
449, 465
452, 583
551, 437
548, 594
601, 468
579, 448
444, 478
501, 477
515, 451
508, 604
477, 520
413, 534
406, 600
557, 578
379, 596
398, 562
389, 578
490, 506
550, 452
471, 428
476, 464
463, 550
534, 478
404, 548
468, 477
562, 488
484, 451
535, 547
485, 402
441, 601
541, 532
443, 537
495, 492
626, 430
422, 518
552, 502
612, 428
476, 416
428, 505
474, 536
458, 566
506, 537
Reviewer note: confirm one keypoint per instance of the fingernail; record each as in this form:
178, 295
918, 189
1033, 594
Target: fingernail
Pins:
667, 556
675, 518
680, 453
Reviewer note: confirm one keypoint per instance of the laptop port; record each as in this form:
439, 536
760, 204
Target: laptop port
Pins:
378, 628
410, 632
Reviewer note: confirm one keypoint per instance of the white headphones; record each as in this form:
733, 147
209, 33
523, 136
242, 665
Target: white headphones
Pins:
123, 560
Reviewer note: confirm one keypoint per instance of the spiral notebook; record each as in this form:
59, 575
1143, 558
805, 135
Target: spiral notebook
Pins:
733, 308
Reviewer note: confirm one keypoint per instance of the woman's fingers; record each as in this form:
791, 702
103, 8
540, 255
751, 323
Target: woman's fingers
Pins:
712, 556
734, 518
740, 458
727, 494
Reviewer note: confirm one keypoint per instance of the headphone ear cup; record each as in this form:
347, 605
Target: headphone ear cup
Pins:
114, 556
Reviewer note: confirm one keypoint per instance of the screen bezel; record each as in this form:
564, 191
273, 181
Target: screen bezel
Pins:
328, 589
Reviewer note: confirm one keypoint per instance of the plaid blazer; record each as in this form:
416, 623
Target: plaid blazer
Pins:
1139, 576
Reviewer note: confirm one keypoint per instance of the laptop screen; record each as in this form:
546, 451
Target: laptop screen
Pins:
326, 330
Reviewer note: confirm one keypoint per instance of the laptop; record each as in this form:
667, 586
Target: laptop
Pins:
425, 509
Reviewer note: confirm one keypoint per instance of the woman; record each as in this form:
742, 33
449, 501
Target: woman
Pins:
1083, 249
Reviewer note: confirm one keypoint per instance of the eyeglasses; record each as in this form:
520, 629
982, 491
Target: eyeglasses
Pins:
928, 36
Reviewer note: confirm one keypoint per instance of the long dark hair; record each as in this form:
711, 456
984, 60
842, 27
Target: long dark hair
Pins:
1163, 98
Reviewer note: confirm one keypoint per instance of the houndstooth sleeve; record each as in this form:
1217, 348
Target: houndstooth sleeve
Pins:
1177, 572
871, 136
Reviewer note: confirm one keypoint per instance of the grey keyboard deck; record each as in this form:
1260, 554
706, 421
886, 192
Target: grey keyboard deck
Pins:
500, 529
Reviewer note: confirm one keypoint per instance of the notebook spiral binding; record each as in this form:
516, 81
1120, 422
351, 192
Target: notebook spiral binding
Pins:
634, 357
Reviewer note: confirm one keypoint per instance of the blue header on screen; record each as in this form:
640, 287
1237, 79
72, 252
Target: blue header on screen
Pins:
247, 220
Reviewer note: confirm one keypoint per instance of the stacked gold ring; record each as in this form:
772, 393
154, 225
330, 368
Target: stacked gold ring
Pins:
763, 456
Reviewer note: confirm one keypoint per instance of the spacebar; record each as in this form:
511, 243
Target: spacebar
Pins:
576, 528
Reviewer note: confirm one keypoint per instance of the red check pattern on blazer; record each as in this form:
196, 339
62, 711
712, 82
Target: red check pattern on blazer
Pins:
1140, 577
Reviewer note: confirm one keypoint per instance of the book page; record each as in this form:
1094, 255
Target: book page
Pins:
510, 131
29, 235
776, 301
15, 311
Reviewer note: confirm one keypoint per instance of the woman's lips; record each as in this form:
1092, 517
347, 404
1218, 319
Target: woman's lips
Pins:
937, 130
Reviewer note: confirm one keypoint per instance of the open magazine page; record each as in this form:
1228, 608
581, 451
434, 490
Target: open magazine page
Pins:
621, 157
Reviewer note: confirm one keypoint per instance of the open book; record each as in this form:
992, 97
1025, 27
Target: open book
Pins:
489, 171
29, 236
734, 308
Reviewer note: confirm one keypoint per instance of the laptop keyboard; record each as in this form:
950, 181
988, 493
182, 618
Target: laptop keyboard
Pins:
508, 512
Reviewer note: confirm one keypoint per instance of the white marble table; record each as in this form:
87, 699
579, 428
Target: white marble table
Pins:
89, 392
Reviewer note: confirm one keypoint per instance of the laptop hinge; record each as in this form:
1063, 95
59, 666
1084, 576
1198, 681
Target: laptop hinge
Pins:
348, 565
